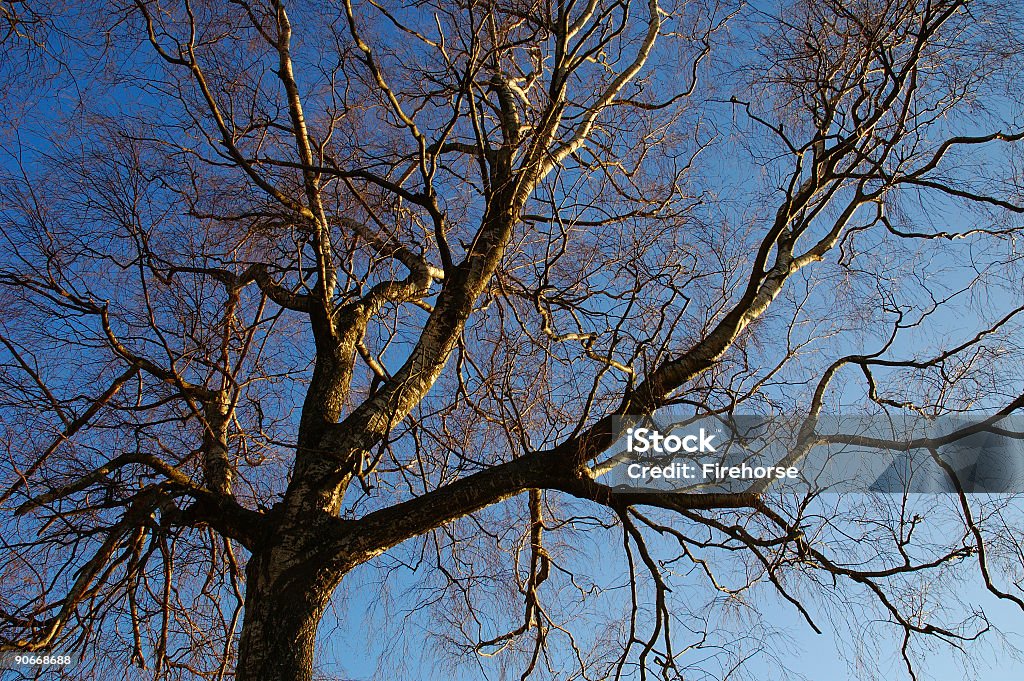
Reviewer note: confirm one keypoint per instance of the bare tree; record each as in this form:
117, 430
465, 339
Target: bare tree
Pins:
290, 291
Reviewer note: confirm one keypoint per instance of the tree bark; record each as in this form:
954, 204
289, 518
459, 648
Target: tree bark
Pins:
284, 602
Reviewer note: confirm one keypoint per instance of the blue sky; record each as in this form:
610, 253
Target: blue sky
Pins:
352, 644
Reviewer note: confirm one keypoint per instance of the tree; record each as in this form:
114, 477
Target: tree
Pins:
292, 290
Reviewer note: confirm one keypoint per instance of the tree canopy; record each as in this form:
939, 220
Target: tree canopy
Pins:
311, 303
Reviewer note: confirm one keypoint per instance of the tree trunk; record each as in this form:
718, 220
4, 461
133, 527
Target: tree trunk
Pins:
284, 602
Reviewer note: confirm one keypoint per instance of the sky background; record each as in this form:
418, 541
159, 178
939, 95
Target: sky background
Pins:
351, 645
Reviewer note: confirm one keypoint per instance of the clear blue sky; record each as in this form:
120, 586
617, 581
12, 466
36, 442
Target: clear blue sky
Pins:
363, 630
